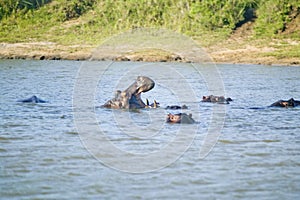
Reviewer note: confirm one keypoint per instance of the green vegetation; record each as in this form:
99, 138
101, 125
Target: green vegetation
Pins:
89, 22
284, 50
11, 7
275, 15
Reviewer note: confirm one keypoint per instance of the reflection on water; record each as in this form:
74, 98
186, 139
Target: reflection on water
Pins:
257, 155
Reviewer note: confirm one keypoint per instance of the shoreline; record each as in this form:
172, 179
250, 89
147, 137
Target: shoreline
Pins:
218, 53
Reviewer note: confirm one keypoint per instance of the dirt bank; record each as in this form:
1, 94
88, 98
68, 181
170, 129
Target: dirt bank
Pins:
227, 53
249, 55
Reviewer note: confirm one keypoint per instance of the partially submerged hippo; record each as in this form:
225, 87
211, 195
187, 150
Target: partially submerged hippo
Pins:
216, 99
131, 97
283, 103
180, 118
33, 99
175, 107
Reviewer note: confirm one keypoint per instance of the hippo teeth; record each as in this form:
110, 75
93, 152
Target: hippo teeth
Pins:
139, 91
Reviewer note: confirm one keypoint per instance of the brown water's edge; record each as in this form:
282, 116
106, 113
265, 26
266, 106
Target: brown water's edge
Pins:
52, 51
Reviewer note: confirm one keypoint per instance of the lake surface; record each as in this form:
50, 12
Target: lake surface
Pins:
253, 151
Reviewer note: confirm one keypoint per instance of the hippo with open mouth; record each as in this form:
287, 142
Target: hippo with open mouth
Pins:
286, 103
182, 118
131, 97
216, 99
33, 99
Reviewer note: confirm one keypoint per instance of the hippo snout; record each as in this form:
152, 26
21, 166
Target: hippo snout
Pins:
144, 84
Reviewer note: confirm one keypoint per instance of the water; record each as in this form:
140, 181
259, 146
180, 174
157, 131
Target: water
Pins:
257, 155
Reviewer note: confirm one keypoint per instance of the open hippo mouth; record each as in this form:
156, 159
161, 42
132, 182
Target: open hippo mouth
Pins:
131, 97
144, 84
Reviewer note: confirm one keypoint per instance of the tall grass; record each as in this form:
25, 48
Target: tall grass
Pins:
90, 21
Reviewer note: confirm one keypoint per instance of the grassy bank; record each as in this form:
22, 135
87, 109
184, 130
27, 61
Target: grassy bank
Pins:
270, 23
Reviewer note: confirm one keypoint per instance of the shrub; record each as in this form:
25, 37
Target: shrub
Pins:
218, 14
274, 15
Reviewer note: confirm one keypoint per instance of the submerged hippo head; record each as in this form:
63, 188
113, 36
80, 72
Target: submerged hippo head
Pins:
33, 99
216, 99
176, 107
180, 118
286, 103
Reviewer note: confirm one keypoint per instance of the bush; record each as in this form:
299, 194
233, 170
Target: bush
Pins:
274, 15
75, 8
218, 14
8, 7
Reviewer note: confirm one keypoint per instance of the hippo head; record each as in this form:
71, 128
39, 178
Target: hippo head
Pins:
144, 84
286, 103
180, 118
131, 97
216, 99
174, 118
33, 99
